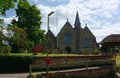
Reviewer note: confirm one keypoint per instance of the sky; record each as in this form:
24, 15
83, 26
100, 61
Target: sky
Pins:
102, 16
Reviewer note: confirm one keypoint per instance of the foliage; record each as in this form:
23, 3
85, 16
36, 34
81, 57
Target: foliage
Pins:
6, 5
118, 62
14, 64
1, 23
37, 49
5, 50
30, 20
1, 31
17, 38
117, 49
96, 51
40, 54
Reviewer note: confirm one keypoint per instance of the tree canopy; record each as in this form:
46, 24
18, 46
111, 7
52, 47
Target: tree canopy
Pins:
16, 37
24, 32
29, 20
6, 5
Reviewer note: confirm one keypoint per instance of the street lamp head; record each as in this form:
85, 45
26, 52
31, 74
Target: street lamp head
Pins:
51, 13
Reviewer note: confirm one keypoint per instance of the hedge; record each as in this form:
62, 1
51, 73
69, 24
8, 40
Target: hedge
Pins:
15, 64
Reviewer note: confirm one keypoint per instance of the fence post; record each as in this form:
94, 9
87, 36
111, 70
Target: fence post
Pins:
58, 65
114, 62
86, 64
30, 69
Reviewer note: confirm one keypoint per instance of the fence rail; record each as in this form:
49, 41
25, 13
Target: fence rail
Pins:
86, 63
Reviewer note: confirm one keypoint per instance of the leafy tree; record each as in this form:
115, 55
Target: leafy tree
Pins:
30, 20
1, 31
17, 38
6, 5
4, 49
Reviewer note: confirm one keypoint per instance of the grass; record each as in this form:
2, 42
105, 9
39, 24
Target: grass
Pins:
118, 61
41, 54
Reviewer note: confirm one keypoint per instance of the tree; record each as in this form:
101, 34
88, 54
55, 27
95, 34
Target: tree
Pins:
4, 49
30, 20
6, 5
17, 38
1, 31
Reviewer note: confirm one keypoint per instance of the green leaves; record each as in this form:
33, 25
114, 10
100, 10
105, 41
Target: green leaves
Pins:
29, 20
17, 35
6, 5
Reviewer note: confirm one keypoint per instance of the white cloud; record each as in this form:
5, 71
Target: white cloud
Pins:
7, 20
57, 0
94, 12
103, 8
107, 29
35, 0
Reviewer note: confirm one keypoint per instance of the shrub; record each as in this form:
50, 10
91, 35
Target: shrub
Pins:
5, 50
13, 64
37, 49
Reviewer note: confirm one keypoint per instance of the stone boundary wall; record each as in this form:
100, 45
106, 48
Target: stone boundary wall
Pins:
73, 61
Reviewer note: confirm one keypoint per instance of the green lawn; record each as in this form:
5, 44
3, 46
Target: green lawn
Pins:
40, 54
118, 60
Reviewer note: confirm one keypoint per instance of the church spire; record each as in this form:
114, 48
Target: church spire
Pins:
77, 22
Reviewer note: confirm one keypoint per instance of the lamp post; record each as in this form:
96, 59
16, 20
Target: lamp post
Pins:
47, 65
48, 18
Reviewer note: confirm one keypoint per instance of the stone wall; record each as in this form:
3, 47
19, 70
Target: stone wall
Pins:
74, 61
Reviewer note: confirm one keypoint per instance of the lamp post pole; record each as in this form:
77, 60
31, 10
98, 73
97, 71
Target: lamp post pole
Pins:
47, 65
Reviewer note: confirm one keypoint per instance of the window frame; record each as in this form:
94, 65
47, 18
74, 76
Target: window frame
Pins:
86, 43
67, 38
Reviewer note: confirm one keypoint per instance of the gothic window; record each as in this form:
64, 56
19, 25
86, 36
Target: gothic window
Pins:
67, 38
49, 44
86, 43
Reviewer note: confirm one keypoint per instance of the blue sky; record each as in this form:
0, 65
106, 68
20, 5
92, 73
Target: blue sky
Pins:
102, 16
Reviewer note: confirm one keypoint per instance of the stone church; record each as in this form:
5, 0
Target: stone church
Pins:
72, 39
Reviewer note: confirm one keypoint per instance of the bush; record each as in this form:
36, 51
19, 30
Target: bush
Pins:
15, 64
5, 50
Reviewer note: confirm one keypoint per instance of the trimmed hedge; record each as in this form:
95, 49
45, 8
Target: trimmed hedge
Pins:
15, 64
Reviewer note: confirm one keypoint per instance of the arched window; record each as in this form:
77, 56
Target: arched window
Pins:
86, 43
67, 38
49, 44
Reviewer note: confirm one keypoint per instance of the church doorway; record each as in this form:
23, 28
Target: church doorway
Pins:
68, 50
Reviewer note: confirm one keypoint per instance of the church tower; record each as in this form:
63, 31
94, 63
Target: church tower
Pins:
77, 25
78, 29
